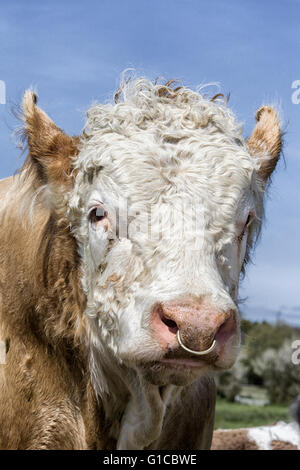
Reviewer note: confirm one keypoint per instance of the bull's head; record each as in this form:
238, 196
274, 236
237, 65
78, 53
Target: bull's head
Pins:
165, 200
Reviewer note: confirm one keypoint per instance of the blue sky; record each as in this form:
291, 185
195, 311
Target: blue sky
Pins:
73, 52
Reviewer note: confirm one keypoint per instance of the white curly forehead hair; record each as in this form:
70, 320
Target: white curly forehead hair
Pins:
165, 205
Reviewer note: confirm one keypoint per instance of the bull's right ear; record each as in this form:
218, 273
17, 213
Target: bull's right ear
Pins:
50, 149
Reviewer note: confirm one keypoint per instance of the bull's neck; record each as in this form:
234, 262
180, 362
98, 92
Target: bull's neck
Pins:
134, 409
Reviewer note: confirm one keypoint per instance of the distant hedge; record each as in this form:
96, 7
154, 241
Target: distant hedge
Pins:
265, 360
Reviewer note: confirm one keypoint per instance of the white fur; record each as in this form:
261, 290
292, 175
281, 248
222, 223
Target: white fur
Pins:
285, 432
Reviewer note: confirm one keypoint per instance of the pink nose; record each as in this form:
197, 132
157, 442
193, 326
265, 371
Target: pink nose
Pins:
199, 324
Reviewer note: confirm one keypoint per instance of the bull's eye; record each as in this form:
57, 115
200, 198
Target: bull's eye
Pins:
250, 219
96, 215
246, 226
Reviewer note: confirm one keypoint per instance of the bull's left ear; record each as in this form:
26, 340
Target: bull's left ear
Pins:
50, 149
266, 141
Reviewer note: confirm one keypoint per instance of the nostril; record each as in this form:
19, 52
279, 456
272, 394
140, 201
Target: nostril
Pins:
172, 325
226, 329
163, 327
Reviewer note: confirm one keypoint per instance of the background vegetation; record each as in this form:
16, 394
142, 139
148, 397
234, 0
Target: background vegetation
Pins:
264, 382
237, 415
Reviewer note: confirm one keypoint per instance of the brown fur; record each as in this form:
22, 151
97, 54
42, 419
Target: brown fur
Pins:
47, 401
232, 440
282, 445
266, 140
46, 397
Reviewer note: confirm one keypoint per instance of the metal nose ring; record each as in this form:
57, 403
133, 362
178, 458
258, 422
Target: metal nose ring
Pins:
196, 353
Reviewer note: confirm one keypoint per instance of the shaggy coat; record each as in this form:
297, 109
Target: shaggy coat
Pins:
87, 364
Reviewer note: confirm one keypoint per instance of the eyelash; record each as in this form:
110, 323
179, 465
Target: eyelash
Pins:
247, 224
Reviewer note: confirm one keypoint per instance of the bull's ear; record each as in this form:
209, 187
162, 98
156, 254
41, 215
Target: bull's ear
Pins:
50, 149
265, 142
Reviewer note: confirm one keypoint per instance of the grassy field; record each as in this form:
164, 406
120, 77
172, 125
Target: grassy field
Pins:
236, 415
